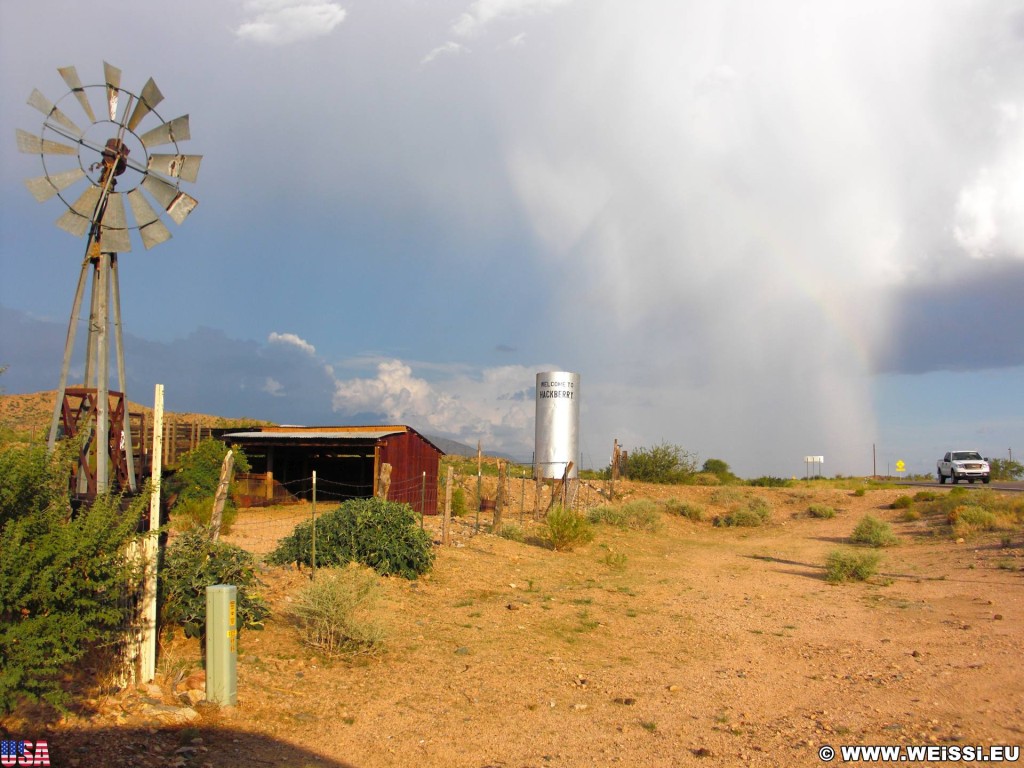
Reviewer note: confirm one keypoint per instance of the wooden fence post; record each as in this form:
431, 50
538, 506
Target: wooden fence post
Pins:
446, 522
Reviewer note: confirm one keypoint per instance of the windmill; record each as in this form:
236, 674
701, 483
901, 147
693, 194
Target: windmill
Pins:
93, 170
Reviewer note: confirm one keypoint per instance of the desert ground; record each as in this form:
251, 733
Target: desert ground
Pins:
690, 645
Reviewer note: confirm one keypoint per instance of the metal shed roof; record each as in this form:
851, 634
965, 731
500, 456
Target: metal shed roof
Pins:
362, 434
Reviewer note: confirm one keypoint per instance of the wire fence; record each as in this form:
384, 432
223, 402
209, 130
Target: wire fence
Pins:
487, 503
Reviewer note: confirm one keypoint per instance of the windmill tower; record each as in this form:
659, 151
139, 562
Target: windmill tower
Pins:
93, 170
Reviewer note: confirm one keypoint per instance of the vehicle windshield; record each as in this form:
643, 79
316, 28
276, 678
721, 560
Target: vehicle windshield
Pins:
966, 456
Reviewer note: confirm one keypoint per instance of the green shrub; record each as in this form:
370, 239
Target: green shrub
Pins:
848, 565
822, 511
335, 612
684, 509
970, 518
873, 532
640, 515
191, 564
512, 532
902, 502
755, 512
566, 529
926, 496
661, 464
706, 479
910, 515
859, 492
196, 513
458, 502
719, 469
64, 577
384, 535
192, 488
768, 481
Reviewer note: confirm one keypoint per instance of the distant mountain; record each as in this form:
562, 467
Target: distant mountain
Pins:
455, 448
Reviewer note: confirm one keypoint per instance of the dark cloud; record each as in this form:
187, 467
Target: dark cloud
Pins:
205, 371
970, 320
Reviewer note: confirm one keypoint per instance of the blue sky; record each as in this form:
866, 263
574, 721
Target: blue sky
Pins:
757, 230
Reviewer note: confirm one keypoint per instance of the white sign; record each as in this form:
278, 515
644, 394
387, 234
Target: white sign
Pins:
814, 459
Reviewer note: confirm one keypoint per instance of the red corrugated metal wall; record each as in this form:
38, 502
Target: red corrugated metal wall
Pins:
415, 466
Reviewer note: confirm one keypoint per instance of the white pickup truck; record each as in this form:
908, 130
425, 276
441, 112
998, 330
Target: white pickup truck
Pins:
963, 465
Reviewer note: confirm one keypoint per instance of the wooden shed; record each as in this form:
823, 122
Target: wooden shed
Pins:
347, 461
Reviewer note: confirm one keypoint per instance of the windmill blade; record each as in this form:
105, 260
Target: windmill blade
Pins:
148, 100
70, 75
78, 218
113, 80
165, 133
176, 166
114, 230
44, 105
45, 187
33, 145
177, 204
152, 230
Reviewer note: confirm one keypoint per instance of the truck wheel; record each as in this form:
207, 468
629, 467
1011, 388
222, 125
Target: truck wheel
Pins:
986, 480
953, 478
940, 479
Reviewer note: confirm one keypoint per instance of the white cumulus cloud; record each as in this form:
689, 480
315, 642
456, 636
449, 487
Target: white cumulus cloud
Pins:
450, 48
988, 219
292, 340
494, 405
279, 22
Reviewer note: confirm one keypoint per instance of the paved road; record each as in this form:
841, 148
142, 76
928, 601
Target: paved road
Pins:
1015, 485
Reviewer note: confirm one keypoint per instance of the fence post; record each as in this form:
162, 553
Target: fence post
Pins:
423, 498
446, 523
150, 545
312, 554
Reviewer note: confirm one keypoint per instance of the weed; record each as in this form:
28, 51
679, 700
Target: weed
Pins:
649, 725
615, 560
822, 511
910, 514
685, 509
873, 532
859, 492
970, 518
755, 512
902, 502
926, 496
512, 533
848, 565
640, 515
334, 611
566, 529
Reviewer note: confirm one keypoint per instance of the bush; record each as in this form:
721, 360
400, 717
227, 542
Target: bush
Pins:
847, 565
755, 512
196, 513
661, 464
384, 535
512, 533
719, 469
910, 515
640, 515
926, 496
859, 492
64, 577
822, 511
970, 518
684, 509
902, 502
191, 564
873, 532
767, 481
335, 611
566, 529
191, 489
458, 502
706, 479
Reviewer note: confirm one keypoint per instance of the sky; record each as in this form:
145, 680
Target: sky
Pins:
757, 230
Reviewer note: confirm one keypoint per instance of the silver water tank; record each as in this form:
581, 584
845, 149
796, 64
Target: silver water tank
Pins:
558, 424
